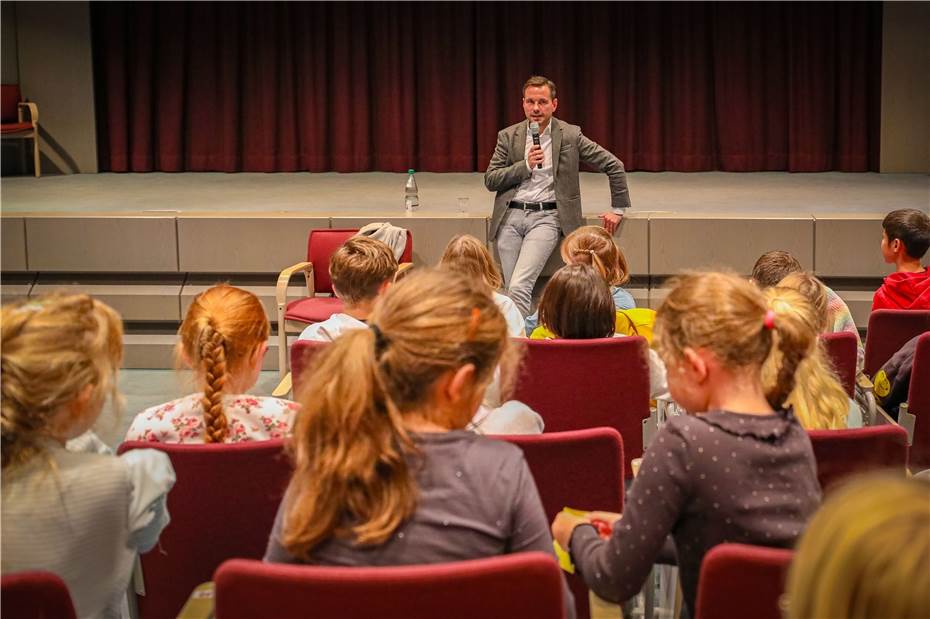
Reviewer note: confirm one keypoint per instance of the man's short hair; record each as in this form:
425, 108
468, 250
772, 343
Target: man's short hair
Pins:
911, 227
539, 81
772, 267
360, 267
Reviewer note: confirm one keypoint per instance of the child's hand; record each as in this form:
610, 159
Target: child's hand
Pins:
562, 527
609, 517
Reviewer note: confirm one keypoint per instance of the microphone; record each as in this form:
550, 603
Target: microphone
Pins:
534, 129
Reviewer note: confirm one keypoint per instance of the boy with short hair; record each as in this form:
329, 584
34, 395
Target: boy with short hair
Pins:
774, 266
361, 271
905, 239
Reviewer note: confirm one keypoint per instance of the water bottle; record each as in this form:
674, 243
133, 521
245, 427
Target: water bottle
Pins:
411, 197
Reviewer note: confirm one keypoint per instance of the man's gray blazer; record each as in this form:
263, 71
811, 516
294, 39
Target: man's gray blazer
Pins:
508, 169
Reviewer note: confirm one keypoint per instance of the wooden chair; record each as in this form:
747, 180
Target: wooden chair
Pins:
13, 124
297, 314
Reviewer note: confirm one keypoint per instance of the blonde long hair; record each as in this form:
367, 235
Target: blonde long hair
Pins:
594, 246
350, 446
726, 314
818, 399
467, 255
222, 329
52, 348
865, 553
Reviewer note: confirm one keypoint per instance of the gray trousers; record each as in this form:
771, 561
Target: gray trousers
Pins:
525, 241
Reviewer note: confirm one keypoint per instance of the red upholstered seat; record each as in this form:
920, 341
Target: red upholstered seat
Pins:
889, 330
313, 309
525, 585
842, 349
738, 580
302, 355
15, 127
577, 384
35, 595
918, 404
222, 507
581, 469
840, 453
9, 103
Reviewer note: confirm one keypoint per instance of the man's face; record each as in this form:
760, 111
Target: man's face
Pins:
538, 105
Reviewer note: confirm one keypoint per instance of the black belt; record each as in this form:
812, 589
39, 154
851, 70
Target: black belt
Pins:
533, 206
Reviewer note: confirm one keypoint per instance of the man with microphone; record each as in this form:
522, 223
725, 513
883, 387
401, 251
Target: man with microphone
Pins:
534, 170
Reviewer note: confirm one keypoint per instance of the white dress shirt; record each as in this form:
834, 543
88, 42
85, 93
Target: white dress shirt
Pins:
540, 186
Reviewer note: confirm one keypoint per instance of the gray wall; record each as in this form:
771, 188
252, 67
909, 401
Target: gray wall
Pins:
55, 71
9, 62
905, 138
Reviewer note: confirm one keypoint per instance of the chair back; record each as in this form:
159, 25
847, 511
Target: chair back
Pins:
35, 595
9, 103
918, 403
840, 453
577, 384
323, 243
222, 507
889, 330
842, 349
738, 580
524, 585
582, 469
303, 354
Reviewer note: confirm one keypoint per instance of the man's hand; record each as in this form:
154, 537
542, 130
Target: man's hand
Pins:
535, 157
611, 221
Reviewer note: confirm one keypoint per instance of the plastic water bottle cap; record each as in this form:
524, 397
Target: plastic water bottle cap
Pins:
410, 171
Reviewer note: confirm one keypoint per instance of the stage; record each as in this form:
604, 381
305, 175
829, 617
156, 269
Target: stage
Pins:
147, 243
378, 194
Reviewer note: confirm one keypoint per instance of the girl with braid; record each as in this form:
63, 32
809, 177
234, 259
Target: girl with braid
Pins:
81, 515
737, 468
385, 472
223, 338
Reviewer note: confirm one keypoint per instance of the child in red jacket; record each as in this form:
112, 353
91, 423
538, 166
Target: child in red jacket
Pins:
905, 240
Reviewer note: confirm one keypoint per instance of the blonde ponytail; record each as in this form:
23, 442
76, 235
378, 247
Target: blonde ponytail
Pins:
816, 396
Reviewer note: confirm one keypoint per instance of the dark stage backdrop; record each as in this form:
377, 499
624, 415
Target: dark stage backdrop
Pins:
353, 87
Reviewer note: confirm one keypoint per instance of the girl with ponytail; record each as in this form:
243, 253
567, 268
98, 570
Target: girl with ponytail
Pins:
737, 468
223, 339
595, 247
81, 515
385, 472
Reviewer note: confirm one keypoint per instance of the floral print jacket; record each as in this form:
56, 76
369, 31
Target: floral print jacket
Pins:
249, 418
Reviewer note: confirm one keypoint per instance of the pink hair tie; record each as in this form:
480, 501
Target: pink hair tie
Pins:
769, 319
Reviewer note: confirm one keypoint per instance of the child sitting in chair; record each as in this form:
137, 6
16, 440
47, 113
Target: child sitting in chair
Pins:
361, 271
905, 240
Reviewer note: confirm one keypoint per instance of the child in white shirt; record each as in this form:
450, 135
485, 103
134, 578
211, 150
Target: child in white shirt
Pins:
361, 270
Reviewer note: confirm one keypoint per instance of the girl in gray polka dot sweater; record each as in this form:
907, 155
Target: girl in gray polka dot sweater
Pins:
738, 468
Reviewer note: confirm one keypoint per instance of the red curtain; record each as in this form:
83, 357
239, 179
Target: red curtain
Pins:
351, 87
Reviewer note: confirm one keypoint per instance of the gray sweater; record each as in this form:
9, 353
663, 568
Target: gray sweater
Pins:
476, 498
707, 479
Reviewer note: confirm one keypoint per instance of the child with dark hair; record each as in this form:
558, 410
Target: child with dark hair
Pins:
905, 239
577, 304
